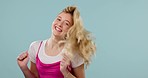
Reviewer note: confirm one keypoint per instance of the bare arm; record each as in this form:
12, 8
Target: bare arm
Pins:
22, 61
28, 74
34, 69
79, 72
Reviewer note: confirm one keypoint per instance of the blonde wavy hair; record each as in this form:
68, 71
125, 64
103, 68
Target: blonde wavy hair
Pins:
78, 39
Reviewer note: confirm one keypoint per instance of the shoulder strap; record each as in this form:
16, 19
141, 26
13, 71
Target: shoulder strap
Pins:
39, 47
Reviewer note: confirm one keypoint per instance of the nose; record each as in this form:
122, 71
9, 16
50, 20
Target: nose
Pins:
60, 23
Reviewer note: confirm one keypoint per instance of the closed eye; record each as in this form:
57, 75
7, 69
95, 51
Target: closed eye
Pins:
58, 19
67, 24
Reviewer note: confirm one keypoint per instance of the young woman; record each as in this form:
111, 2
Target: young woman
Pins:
64, 54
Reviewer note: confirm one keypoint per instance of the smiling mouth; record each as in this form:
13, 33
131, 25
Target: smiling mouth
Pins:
58, 29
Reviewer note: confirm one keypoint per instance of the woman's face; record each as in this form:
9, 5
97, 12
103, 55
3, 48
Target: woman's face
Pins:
61, 24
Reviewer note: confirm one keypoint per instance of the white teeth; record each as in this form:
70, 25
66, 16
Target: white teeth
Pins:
58, 29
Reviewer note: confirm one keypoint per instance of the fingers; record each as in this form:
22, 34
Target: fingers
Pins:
62, 63
65, 57
65, 61
69, 68
22, 56
65, 64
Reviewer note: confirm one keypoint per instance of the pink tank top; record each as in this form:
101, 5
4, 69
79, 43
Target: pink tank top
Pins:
48, 70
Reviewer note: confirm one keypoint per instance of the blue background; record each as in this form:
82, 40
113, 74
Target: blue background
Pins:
120, 28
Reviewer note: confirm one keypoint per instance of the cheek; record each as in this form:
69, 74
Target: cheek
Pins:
53, 25
65, 29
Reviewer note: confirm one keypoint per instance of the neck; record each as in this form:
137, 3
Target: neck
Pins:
53, 41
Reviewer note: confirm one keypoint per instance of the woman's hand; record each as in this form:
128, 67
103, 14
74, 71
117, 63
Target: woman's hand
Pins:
22, 60
65, 63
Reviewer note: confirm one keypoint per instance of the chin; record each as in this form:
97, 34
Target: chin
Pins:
56, 34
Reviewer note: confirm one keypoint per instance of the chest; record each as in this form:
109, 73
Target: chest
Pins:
53, 51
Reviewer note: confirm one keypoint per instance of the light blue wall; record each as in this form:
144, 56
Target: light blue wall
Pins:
120, 28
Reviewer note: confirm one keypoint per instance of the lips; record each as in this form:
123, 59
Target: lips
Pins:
58, 29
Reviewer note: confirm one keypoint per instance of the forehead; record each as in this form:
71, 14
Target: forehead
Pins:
66, 16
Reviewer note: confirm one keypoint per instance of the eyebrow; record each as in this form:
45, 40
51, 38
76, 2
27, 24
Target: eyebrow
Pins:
60, 16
